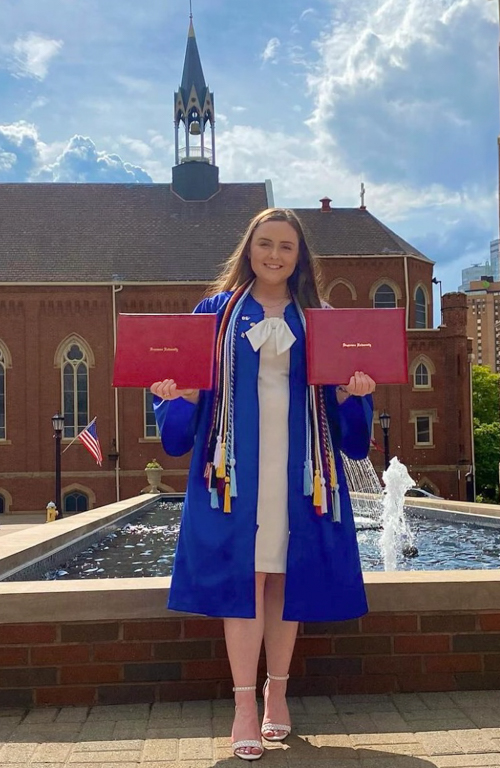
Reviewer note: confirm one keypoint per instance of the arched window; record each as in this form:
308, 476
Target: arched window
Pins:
75, 389
427, 485
421, 375
422, 369
420, 308
341, 293
75, 502
2, 504
384, 297
3, 415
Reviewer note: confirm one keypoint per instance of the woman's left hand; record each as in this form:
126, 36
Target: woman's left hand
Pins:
360, 384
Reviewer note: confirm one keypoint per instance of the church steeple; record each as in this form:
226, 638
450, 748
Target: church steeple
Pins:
194, 107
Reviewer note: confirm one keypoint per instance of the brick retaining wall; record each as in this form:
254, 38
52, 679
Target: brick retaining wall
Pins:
122, 661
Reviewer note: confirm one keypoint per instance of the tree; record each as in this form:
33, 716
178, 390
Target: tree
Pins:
487, 453
486, 406
485, 394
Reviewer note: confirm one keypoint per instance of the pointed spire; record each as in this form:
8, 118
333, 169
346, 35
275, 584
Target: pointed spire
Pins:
193, 71
191, 28
194, 106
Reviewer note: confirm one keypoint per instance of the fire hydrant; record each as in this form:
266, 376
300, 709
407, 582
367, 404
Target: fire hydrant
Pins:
51, 512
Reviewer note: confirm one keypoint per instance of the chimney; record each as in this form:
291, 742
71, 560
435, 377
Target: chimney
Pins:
325, 204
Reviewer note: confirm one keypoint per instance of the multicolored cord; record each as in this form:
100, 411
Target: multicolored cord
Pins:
320, 474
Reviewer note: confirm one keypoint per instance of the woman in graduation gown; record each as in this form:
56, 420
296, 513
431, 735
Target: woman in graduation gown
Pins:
267, 534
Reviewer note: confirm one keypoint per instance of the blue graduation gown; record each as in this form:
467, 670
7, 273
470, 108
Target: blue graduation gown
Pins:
214, 568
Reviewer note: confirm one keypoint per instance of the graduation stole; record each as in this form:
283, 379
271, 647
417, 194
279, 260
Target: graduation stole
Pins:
320, 475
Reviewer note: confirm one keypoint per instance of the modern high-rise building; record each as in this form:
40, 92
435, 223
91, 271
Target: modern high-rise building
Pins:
483, 323
481, 283
477, 273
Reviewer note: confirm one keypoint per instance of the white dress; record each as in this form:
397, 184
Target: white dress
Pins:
274, 338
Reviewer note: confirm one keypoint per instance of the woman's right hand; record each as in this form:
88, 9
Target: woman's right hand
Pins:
167, 390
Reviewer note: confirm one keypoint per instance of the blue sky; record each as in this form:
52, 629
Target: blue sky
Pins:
317, 95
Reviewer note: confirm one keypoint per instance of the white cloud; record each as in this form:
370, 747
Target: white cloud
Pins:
158, 141
307, 12
137, 146
38, 103
48, 153
33, 54
271, 50
24, 157
20, 147
442, 223
7, 160
239, 109
82, 162
405, 94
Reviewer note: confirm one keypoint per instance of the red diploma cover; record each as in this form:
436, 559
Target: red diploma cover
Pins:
341, 341
151, 348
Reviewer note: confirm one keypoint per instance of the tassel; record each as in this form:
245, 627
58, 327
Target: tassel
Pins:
214, 498
324, 503
336, 505
317, 490
308, 478
217, 452
232, 473
221, 466
227, 496
333, 469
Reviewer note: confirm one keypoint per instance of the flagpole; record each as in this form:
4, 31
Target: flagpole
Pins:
76, 438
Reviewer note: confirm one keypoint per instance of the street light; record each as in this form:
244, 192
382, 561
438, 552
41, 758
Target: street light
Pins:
58, 425
385, 422
438, 282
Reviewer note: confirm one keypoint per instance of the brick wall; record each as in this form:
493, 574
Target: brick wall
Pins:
36, 319
185, 658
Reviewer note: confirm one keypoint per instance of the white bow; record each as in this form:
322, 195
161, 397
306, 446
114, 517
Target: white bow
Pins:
261, 332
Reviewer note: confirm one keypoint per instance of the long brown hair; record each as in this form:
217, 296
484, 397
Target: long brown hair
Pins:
305, 282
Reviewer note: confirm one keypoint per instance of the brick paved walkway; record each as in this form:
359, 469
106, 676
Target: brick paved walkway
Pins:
447, 730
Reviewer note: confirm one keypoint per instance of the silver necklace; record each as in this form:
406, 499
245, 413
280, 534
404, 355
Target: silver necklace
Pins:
272, 306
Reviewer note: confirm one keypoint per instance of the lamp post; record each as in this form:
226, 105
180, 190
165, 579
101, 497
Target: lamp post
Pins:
438, 282
58, 425
385, 422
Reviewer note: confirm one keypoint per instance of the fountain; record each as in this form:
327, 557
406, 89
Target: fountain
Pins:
375, 507
396, 534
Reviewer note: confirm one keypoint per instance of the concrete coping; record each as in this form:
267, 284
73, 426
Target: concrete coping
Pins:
140, 598
29, 602
34, 543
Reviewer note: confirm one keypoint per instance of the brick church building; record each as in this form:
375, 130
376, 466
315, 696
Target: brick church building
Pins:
73, 256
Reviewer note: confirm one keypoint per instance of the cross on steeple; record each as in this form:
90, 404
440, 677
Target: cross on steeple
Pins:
362, 196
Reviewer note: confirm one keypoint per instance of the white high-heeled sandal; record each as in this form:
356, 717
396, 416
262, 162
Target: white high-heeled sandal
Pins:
266, 727
253, 743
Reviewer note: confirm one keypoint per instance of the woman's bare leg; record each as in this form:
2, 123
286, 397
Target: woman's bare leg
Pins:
244, 641
279, 640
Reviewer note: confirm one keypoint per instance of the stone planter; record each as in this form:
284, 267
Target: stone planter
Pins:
154, 479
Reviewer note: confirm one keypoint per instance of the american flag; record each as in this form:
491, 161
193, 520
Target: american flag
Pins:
88, 437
